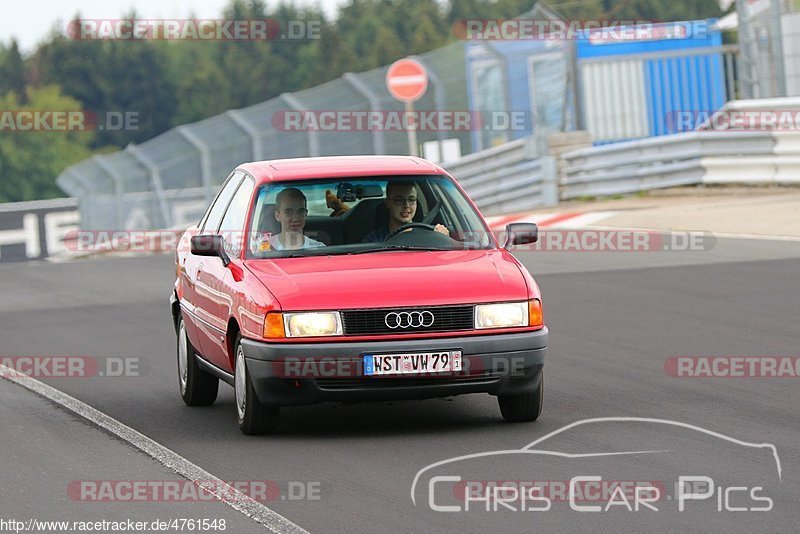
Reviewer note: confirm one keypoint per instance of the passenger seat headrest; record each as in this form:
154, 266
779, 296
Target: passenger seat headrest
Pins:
267, 222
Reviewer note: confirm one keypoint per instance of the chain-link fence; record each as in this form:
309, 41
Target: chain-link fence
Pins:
769, 36
616, 90
168, 180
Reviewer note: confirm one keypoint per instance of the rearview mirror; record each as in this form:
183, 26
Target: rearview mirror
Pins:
521, 234
210, 245
347, 192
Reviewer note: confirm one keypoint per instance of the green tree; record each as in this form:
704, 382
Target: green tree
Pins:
325, 58
427, 36
388, 47
12, 71
78, 67
30, 161
112, 76
135, 80
201, 87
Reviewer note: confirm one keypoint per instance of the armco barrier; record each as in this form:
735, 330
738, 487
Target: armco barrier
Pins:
508, 178
35, 230
700, 157
778, 170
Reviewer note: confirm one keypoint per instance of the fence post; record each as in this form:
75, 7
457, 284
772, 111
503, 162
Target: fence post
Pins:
549, 181
747, 77
205, 158
234, 115
108, 169
438, 97
84, 201
155, 178
313, 136
378, 138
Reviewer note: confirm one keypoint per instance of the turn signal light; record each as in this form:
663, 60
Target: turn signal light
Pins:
535, 314
273, 326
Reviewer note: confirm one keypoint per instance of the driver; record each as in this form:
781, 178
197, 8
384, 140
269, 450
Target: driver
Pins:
401, 201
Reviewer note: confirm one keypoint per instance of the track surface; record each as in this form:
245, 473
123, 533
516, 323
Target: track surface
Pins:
614, 318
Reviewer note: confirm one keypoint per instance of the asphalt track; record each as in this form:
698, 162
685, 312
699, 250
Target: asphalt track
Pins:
615, 318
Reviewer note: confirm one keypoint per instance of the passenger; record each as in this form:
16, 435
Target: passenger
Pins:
401, 201
291, 212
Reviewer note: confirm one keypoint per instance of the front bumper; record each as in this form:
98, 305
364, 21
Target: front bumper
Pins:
308, 373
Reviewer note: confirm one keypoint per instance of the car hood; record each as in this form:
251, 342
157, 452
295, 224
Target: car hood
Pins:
391, 279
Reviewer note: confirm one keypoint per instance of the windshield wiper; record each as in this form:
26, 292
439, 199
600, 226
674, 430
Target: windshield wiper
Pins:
399, 247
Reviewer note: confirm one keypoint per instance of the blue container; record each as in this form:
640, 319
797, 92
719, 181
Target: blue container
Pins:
629, 88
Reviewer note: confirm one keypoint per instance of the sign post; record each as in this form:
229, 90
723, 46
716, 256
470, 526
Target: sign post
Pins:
407, 81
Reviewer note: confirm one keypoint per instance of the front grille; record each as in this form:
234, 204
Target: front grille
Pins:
379, 382
445, 319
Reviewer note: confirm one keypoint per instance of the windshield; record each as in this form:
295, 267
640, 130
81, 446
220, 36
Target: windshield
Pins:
363, 215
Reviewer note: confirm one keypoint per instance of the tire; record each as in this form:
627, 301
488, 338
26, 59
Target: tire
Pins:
524, 406
197, 387
253, 417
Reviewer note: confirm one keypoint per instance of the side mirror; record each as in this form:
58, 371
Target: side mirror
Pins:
210, 245
521, 234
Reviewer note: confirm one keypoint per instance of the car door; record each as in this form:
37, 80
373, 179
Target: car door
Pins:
220, 282
198, 295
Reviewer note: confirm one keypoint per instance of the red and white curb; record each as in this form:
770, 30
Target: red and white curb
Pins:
568, 219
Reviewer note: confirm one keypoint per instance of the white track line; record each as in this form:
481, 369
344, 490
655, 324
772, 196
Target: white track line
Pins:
584, 220
724, 235
200, 477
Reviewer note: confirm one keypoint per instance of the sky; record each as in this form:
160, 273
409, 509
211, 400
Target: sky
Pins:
30, 21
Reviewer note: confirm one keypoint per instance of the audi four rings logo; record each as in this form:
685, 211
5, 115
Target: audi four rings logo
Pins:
414, 319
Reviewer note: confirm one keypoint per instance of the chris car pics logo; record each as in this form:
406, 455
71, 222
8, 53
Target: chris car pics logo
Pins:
585, 481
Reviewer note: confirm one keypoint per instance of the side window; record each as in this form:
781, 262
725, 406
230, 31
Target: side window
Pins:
232, 227
218, 209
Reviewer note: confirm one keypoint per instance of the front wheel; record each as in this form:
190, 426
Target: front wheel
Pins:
252, 416
197, 387
523, 406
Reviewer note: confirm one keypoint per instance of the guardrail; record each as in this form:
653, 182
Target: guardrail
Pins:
509, 178
682, 159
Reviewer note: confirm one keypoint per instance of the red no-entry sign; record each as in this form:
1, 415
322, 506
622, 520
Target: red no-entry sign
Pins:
407, 80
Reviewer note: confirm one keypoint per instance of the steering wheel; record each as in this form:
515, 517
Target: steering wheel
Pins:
410, 226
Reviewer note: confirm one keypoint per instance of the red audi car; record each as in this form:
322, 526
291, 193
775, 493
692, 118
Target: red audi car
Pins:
353, 279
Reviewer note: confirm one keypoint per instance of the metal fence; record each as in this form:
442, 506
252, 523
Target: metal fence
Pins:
166, 181
769, 35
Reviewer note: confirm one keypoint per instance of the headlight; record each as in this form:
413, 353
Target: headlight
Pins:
312, 324
505, 315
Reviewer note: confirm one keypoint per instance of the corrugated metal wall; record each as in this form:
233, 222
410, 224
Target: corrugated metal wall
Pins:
615, 100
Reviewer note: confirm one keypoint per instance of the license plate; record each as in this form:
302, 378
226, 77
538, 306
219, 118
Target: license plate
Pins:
414, 363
